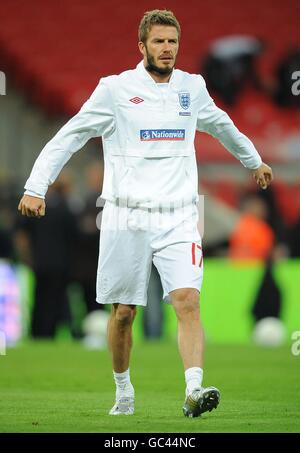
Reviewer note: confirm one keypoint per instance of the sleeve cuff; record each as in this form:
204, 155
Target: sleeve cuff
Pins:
255, 165
33, 194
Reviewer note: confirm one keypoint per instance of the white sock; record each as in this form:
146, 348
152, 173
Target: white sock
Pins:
193, 379
124, 388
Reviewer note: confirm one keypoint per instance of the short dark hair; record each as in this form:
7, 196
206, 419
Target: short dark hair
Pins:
157, 17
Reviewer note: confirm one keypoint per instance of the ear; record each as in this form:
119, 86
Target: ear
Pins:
142, 48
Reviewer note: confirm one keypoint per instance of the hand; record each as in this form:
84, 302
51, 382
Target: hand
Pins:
263, 175
32, 206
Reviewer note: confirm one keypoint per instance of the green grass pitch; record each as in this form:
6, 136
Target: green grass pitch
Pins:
62, 387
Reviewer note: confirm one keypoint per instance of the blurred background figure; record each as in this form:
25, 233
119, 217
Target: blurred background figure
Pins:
46, 245
259, 236
92, 326
230, 65
85, 255
268, 300
252, 238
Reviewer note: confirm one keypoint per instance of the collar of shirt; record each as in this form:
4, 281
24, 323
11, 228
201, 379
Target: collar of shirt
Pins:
147, 77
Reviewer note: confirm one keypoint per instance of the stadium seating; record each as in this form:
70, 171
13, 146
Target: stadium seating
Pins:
86, 40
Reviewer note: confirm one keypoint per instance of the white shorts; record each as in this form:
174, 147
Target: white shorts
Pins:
131, 238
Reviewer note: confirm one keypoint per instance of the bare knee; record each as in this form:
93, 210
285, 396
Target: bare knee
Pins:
124, 314
186, 303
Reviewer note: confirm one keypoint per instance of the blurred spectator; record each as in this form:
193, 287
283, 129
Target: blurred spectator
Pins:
252, 237
284, 95
85, 255
231, 63
46, 243
260, 234
268, 329
6, 245
268, 300
274, 218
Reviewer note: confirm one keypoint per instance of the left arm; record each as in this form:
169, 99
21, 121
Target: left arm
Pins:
217, 123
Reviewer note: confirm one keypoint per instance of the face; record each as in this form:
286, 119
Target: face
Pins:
160, 49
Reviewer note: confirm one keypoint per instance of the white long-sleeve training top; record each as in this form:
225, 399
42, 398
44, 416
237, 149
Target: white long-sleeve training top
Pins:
148, 138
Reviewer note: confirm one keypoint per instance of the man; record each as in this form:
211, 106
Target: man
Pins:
147, 118
48, 247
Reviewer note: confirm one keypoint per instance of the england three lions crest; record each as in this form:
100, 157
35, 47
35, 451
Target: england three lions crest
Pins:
184, 100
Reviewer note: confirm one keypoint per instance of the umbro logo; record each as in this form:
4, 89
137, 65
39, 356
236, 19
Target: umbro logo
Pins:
136, 100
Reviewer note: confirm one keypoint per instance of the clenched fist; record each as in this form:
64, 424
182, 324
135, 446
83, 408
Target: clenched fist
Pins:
32, 206
263, 175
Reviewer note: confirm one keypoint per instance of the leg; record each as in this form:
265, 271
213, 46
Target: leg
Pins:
123, 272
119, 332
190, 333
191, 348
179, 260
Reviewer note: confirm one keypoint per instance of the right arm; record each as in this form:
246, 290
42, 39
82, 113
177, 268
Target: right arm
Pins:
95, 118
217, 123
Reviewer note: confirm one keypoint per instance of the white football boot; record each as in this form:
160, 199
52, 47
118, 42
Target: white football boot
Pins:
123, 406
201, 400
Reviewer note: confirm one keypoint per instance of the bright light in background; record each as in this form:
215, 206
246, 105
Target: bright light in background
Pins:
10, 307
2, 343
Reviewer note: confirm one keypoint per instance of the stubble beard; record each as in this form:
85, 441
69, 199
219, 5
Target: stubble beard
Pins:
151, 66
